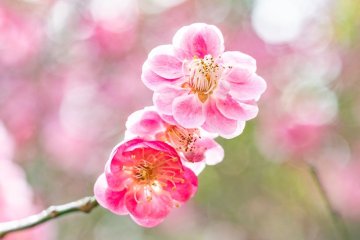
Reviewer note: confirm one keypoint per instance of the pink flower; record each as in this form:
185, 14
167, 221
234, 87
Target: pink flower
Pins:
193, 145
146, 180
200, 85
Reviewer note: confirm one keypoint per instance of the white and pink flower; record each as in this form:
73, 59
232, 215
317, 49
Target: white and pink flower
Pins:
200, 85
144, 179
195, 147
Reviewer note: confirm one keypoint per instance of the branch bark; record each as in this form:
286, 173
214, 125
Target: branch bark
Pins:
85, 205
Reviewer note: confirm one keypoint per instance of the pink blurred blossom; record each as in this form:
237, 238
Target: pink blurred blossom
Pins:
86, 112
146, 180
7, 143
19, 38
16, 201
199, 84
298, 121
111, 26
342, 183
19, 107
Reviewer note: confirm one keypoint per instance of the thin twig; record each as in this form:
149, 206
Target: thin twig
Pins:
335, 216
84, 205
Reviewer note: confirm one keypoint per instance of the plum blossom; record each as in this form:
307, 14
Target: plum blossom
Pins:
199, 85
144, 179
195, 147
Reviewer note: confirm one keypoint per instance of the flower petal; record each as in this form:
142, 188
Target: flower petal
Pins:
148, 209
163, 62
116, 181
216, 122
152, 80
197, 154
238, 74
236, 58
163, 147
188, 111
183, 191
163, 99
147, 222
198, 39
196, 167
109, 199
169, 119
249, 90
145, 123
239, 129
233, 109
118, 157
214, 153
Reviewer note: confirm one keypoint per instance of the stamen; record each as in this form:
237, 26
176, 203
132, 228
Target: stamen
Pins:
203, 76
182, 139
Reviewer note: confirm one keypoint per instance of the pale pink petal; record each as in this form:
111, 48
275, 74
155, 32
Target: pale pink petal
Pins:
109, 199
236, 58
214, 153
233, 109
239, 129
238, 74
147, 209
250, 110
183, 191
152, 80
249, 90
207, 134
223, 88
216, 122
188, 111
164, 98
145, 123
198, 40
163, 62
169, 119
196, 167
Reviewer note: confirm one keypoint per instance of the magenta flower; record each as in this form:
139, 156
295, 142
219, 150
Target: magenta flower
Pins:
200, 85
194, 146
144, 179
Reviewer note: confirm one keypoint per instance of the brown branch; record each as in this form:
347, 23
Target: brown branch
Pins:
84, 205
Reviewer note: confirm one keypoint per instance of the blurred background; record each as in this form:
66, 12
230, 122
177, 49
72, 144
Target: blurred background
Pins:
70, 75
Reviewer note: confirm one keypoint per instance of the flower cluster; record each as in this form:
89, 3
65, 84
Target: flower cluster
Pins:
200, 92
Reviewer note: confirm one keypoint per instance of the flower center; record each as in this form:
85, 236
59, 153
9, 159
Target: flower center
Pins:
144, 172
183, 139
154, 170
203, 76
